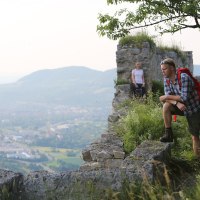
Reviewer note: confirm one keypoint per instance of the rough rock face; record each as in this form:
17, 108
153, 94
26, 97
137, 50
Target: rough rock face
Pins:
11, 185
90, 181
142, 162
103, 153
150, 56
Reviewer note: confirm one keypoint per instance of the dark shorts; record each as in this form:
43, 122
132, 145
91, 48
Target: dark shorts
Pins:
193, 120
176, 111
194, 123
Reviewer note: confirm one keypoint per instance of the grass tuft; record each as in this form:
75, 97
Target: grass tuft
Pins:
175, 48
137, 40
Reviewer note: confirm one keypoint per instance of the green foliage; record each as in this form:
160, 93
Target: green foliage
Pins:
145, 190
137, 40
143, 121
111, 195
165, 16
174, 48
183, 147
193, 192
4, 193
121, 82
157, 87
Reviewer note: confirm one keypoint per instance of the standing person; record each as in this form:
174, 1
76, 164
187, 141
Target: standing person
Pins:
176, 101
137, 80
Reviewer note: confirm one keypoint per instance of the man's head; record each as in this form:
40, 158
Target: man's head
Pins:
168, 67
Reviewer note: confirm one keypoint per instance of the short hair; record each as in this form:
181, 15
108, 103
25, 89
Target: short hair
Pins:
168, 61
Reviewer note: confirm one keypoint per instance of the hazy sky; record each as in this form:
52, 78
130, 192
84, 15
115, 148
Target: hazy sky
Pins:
39, 34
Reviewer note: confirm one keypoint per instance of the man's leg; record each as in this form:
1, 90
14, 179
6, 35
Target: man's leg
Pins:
167, 116
196, 145
194, 127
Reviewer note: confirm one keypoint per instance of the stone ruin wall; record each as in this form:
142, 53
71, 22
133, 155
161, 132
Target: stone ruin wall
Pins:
150, 56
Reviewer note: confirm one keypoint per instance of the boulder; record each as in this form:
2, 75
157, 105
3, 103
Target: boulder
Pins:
11, 185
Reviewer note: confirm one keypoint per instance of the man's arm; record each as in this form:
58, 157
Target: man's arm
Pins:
170, 98
174, 100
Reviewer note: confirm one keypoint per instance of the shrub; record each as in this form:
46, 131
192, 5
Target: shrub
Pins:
121, 82
143, 121
157, 87
183, 147
137, 40
174, 48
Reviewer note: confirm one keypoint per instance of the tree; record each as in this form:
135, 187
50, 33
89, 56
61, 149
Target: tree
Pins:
166, 16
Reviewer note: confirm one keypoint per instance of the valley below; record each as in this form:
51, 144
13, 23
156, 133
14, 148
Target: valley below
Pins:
49, 116
50, 138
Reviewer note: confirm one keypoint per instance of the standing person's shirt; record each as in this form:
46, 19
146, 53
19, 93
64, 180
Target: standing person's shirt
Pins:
138, 74
189, 95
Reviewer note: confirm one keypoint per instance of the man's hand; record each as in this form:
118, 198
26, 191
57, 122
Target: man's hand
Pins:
163, 98
181, 106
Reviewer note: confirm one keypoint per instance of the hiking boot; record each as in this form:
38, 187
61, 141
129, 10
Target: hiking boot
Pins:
168, 136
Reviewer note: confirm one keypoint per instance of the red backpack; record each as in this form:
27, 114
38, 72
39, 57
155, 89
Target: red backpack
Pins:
187, 71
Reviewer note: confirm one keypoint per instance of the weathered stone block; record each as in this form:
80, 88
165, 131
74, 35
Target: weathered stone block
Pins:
90, 166
86, 155
113, 118
112, 138
135, 51
93, 154
113, 163
153, 150
121, 70
145, 53
103, 155
118, 154
124, 88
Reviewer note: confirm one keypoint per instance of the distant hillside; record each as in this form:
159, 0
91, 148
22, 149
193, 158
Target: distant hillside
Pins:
196, 70
69, 85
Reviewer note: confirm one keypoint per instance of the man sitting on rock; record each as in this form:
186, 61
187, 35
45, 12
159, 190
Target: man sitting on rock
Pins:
176, 101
